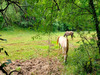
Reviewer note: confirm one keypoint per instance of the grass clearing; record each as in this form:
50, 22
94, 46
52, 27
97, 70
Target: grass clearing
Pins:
26, 44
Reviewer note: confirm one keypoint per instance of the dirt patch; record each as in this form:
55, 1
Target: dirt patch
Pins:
44, 42
37, 66
15, 38
14, 44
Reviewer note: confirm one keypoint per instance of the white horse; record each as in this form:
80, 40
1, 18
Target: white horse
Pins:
63, 42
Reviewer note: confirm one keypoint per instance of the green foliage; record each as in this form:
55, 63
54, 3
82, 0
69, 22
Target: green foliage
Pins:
26, 24
59, 26
70, 16
1, 21
85, 57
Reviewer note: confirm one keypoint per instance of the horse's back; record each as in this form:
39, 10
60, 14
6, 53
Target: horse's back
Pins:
63, 41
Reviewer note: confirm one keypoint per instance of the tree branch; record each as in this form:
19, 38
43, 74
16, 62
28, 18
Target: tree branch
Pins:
16, 3
82, 8
1, 10
56, 5
96, 21
10, 2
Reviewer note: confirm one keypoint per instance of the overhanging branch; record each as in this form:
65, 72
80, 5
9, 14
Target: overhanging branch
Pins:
82, 8
11, 2
1, 10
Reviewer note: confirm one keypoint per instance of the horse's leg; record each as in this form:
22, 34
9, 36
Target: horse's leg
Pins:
72, 36
66, 52
64, 55
65, 58
62, 50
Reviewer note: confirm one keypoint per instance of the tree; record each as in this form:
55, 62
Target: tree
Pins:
96, 22
8, 3
92, 7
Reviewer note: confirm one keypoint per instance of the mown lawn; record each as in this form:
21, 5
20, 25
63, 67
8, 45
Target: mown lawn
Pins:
27, 44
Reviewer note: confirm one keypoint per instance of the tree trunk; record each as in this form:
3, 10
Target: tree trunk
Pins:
96, 22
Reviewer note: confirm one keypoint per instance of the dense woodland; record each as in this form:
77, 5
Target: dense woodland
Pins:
43, 14
55, 16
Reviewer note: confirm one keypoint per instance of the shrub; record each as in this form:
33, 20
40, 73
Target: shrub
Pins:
85, 57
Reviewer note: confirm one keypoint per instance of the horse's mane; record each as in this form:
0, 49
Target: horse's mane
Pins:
58, 39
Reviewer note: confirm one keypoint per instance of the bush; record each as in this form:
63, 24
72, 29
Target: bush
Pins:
85, 57
59, 26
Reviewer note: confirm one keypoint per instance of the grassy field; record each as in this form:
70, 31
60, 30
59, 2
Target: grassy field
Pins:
26, 44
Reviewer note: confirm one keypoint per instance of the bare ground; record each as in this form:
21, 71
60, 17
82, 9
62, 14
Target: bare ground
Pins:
36, 66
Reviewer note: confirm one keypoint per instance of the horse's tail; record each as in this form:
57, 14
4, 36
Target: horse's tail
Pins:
57, 40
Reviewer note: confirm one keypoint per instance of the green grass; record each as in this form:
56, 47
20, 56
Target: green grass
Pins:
25, 44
